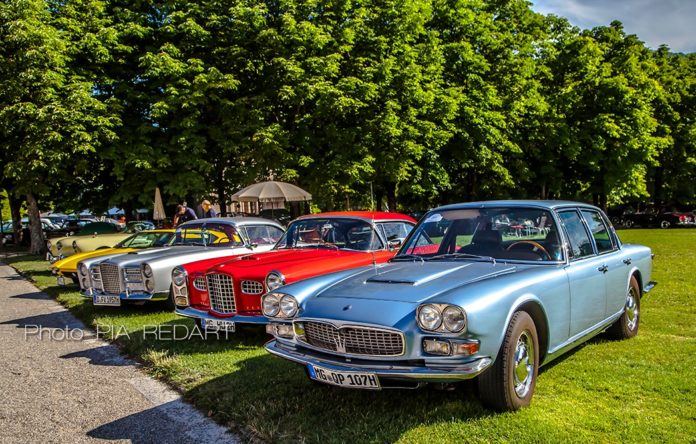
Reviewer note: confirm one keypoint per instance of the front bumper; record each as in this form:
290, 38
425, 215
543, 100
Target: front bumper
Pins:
195, 313
385, 369
127, 295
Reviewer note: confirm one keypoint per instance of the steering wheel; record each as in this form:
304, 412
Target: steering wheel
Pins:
537, 247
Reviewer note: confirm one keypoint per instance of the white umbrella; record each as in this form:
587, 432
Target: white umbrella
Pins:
158, 212
271, 191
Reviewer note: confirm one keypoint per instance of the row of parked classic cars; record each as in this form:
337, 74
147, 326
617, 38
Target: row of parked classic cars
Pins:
372, 300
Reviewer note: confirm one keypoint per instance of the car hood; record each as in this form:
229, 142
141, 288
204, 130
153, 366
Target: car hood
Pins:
413, 282
277, 259
71, 261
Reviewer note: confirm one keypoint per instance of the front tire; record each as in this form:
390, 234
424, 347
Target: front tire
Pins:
168, 304
628, 223
509, 383
665, 224
627, 325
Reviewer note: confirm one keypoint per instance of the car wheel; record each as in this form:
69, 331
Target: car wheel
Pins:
509, 383
628, 223
627, 325
168, 304
665, 224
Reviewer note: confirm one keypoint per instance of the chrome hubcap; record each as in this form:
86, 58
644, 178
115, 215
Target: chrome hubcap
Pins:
631, 309
523, 368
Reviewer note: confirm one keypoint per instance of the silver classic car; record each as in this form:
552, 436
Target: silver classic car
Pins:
146, 275
491, 290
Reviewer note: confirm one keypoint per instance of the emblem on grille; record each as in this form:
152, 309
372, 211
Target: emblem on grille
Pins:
340, 343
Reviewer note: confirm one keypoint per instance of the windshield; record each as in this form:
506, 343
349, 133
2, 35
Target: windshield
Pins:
509, 233
145, 240
343, 233
209, 235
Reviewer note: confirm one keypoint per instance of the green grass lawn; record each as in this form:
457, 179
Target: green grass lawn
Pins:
642, 389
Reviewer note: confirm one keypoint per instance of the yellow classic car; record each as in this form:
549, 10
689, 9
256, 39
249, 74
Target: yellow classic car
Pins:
145, 239
92, 236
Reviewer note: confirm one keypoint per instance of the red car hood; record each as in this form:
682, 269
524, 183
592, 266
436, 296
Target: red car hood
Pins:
298, 263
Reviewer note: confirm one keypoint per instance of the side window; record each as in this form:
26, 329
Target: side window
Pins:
395, 230
599, 231
580, 243
263, 234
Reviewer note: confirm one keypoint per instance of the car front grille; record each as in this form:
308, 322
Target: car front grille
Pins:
354, 340
221, 293
252, 287
199, 283
111, 282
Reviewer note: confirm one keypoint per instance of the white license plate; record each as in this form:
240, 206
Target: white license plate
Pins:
218, 324
61, 280
344, 379
113, 301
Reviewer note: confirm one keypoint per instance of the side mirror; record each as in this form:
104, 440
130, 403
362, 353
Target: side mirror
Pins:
252, 246
394, 244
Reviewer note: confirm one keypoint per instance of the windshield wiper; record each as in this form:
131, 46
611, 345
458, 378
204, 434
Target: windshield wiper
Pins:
463, 256
409, 257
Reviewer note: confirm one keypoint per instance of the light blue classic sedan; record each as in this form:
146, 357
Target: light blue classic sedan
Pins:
486, 289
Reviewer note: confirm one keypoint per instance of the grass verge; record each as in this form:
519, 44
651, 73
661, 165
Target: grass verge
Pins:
629, 391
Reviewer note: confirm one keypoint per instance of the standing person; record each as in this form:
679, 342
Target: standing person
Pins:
208, 210
183, 214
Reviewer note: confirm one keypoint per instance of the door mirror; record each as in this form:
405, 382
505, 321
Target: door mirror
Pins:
395, 244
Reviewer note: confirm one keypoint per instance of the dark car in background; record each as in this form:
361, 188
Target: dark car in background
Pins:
658, 218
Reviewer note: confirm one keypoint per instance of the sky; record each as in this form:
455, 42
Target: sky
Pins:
655, 22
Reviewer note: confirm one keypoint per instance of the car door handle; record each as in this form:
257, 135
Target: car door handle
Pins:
627, 261
603, 269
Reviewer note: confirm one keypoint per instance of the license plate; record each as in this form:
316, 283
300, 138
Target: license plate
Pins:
114, 301
218, 324
344, 379
61, 280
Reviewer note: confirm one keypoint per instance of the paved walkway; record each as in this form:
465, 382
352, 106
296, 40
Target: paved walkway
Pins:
76, 391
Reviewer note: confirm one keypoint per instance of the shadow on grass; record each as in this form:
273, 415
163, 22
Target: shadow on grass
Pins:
272, 399
35, 295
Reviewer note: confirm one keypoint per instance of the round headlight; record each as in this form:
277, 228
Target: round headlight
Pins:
149, 286
453, 318
74, 245
59, 245
178, 276
83, 269
147, 271
48, 244
274, 280
271, 304
288, 306
429, 317
85, 285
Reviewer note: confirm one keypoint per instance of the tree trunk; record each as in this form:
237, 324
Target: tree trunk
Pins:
15, 211
38, 243
391, 196
128, 210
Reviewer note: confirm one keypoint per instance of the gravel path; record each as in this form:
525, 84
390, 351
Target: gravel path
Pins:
79, 390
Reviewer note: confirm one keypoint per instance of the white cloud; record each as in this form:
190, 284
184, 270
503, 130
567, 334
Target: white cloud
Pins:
655, 22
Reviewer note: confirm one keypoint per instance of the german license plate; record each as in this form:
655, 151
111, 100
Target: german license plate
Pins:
61, 280
218, 324
344, 379
100, 299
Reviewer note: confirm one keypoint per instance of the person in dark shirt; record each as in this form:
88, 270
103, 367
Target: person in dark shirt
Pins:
208, 210
183, 214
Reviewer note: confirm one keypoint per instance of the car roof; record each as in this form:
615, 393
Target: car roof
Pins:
547, 204
237, 220
366, 215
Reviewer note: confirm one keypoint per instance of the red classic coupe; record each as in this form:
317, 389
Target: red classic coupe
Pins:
222, 293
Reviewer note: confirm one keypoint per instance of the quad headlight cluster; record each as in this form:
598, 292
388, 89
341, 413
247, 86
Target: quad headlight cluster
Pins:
279, 305
179, 288
441, 318
83, 275
149, 279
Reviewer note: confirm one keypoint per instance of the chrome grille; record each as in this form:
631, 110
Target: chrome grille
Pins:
221, 293
111, 282
354, 340
199, 283
133, 275
252, 287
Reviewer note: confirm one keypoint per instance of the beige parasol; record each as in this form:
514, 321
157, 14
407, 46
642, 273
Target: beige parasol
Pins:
271, 191
158, 212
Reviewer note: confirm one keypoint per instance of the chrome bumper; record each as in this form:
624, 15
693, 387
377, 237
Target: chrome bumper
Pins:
127, 296
384, 369
190, 312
